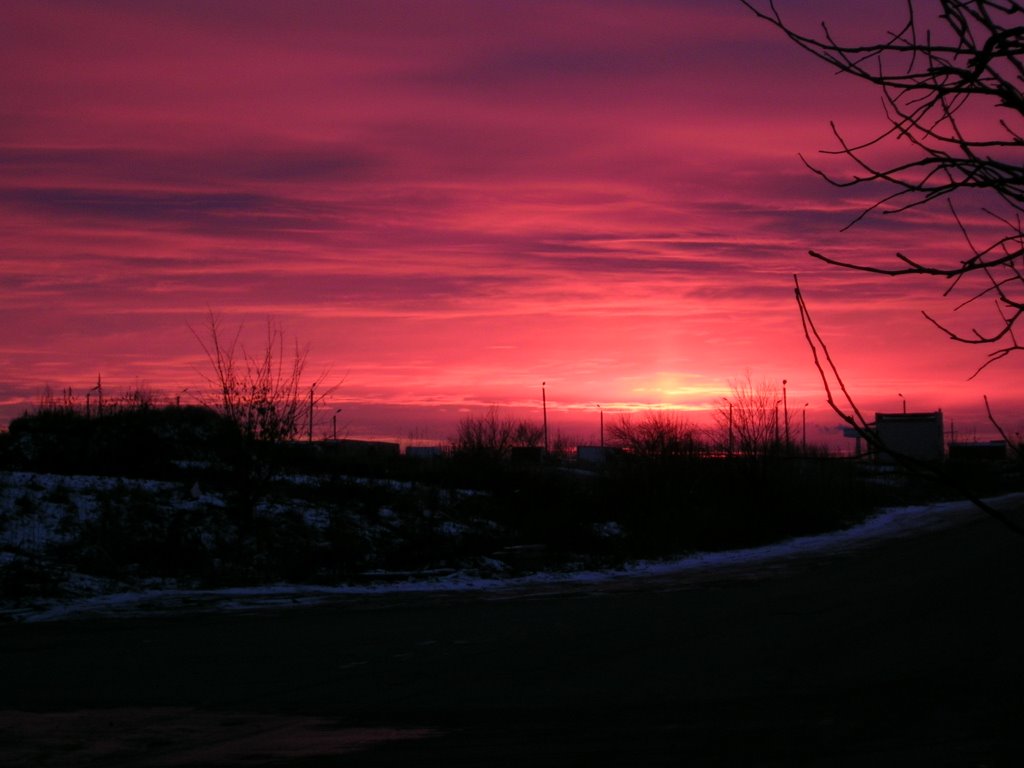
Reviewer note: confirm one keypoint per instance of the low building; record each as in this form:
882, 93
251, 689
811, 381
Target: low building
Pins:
989, 450
425, 451
361, 448
917, 436
595, 454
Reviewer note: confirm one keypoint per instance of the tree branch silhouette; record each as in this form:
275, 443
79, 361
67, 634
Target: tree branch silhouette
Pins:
953, 109
843, 405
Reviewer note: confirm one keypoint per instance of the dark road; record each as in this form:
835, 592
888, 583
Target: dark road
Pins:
909, 652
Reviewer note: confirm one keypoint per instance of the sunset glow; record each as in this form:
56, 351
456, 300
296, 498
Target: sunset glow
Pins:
452, 202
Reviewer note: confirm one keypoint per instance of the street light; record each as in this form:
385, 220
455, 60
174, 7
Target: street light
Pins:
334, 423
601, 412
544, 404
803, 417
901, 397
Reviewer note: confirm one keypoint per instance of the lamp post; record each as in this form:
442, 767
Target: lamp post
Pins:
901, 397
803, 417
601, 413
544, 405
334, 423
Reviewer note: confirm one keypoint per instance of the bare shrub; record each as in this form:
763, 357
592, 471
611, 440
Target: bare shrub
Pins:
262, 392
748, 419
658, 434
494, 435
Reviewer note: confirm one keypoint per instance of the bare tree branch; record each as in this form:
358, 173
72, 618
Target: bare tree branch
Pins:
952, 88
843, 405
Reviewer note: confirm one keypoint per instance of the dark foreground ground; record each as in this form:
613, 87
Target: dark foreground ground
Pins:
908, 653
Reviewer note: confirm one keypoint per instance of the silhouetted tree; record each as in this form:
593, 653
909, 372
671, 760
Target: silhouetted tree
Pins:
263, 393
843, 404
494, 435
749, 419
657, 434
51, 402
951, 80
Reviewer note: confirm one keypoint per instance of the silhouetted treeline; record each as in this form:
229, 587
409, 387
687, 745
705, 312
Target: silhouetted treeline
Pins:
232, 511
131, 441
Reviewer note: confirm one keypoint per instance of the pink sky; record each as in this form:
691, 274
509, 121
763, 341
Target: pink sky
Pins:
452, 202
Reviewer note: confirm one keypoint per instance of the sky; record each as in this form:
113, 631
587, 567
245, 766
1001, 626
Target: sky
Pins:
452, 203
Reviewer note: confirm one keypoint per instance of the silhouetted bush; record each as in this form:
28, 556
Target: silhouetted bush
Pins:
128, 442
494, 437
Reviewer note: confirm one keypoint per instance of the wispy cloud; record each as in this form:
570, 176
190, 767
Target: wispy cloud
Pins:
450, 200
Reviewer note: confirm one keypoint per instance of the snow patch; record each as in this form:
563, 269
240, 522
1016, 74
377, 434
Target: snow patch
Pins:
28, 522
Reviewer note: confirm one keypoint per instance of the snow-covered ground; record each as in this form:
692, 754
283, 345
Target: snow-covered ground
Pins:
47, 521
